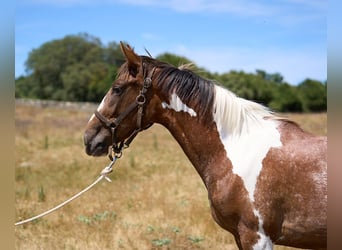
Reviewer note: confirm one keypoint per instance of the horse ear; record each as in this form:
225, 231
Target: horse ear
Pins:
133, 60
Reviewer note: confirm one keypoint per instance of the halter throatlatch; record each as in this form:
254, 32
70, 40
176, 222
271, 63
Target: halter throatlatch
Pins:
140, 100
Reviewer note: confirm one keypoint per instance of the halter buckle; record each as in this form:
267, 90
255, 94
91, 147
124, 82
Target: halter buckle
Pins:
147, 82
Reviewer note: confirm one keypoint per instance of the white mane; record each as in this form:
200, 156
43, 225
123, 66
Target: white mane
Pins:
235, 115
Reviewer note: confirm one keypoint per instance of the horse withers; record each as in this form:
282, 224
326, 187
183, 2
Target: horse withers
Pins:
266, 177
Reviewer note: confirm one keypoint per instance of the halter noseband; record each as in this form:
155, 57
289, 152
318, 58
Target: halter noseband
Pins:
139, 103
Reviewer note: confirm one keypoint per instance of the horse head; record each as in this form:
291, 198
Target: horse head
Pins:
126, 109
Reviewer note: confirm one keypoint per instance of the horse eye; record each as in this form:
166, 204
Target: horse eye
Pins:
116, 90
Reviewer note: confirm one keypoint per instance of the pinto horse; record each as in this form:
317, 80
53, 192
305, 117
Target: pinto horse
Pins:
266, 178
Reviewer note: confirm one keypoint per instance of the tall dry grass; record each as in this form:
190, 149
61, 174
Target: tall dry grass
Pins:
156, 199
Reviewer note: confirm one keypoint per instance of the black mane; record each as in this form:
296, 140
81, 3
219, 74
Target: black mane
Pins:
193, 90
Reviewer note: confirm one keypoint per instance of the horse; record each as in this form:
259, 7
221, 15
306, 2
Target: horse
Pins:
266, 177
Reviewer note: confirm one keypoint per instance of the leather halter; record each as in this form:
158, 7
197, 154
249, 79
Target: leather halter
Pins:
139, 103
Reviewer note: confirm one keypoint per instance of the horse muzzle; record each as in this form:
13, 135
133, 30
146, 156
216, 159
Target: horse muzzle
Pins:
96, 144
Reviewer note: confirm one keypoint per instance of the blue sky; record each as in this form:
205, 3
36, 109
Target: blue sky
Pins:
285, 36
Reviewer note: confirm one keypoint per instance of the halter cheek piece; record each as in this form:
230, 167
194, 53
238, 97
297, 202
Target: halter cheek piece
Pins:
139, 103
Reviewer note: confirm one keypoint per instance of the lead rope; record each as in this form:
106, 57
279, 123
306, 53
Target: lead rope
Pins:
115, 151
103, 175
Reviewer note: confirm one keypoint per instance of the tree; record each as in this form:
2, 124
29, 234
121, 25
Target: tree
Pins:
173, 59
314, 95
286, 99
276, 77
249, 86
75, 68
24, 87
81, 68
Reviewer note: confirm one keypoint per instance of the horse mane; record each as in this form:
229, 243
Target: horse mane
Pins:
192, 89
209, 99
237, 115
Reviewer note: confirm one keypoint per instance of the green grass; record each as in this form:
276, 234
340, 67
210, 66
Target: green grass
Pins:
156, 199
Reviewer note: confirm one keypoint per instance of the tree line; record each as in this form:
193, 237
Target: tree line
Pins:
81, 68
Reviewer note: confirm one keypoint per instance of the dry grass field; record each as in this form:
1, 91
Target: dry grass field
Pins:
156, 199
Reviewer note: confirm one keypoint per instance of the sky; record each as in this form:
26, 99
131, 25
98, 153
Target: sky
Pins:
282, 36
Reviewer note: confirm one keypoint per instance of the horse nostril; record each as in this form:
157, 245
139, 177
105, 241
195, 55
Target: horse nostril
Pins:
100, 146
95, 143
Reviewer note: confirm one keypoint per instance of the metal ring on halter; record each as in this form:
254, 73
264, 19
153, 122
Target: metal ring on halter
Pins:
140, 100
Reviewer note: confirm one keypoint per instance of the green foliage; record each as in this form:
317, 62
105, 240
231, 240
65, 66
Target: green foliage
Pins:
313, 95
75, 68
106, 215
249, 86
161, 242
173, 59
81, 68
41, 194
195, 239
286, 99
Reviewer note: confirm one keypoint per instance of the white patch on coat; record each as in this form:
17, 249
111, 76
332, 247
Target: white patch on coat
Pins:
99, 108
264, 242
245, 134
177, 105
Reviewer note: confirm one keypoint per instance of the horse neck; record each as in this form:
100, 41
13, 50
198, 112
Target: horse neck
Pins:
196, 136
206, 138
199, 143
